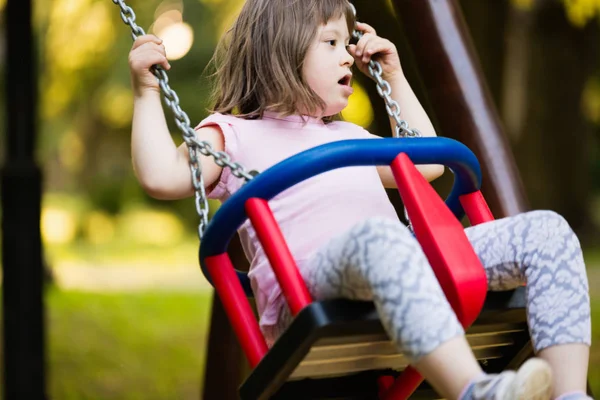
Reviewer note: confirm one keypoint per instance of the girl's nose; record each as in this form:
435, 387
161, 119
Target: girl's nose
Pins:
347, 59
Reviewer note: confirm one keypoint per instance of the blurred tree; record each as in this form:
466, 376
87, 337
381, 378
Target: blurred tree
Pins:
487, 23
550, 57
86, 100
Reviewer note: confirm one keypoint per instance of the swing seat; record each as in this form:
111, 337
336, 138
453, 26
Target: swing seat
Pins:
339, 349
339, 346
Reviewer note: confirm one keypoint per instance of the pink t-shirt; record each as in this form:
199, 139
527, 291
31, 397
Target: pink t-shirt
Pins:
309, 213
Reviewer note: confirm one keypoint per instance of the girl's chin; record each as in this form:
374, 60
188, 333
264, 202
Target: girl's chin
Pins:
331, 111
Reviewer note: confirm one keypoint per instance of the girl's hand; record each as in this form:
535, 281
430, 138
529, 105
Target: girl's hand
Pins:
147, 51
371, 46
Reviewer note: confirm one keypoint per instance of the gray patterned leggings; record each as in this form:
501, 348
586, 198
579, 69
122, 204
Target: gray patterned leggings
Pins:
380, 260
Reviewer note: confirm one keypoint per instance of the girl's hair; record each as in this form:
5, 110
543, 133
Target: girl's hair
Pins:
259, 60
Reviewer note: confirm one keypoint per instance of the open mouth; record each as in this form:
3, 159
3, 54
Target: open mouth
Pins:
345, 81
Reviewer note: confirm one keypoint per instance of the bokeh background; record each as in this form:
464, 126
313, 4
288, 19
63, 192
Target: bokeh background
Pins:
128, 308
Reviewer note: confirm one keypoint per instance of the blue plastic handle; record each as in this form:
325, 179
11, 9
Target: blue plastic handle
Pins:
359, 152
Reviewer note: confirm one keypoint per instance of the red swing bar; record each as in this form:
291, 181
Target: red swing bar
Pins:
448, 250
292, 285
237, 308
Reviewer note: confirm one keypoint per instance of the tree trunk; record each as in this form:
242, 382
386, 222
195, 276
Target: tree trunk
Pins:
486, 22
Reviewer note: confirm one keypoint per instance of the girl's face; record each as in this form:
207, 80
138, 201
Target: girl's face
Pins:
327, 65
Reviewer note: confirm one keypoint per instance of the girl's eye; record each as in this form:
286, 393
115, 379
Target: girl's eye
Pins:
331, 42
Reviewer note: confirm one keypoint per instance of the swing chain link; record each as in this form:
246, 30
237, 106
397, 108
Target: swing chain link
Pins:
391, 106
385, 91
182, 121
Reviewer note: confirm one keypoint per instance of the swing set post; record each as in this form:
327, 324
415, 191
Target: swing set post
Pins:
459, 95
22, 265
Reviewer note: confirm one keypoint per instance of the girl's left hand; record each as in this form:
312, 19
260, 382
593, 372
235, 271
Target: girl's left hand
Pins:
371, 46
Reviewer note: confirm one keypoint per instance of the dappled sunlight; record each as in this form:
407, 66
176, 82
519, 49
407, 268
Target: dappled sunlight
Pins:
71, 151
58, 226
582, 11
591, 101
165, 20
523, 4
100, 227
177, 36
168, 5
68, 220
81, 241
178, 39
80, 34
57, 94
579, 12
151, 227
359, 109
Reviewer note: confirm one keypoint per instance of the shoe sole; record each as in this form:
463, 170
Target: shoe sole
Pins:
534, 380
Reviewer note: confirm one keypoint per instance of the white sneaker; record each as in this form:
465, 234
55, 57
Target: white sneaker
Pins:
533, 381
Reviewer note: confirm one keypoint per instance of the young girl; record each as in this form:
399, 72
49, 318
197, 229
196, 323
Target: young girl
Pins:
284, 72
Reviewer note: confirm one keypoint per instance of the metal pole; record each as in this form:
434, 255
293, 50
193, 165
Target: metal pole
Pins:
23, 311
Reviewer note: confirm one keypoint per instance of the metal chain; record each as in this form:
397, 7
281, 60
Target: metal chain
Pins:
385, 91
392, 107
182, 121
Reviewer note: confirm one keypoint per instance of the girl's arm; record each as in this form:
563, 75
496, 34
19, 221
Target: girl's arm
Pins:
384, 51
415, 115
160, 166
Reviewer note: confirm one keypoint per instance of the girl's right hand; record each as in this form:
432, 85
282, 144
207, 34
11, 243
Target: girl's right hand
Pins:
147, 50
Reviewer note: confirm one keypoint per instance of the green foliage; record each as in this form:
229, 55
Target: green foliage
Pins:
86, 103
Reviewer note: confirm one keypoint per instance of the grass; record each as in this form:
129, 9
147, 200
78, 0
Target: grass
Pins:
126, 345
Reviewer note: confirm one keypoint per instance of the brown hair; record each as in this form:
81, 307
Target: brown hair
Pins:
259, 60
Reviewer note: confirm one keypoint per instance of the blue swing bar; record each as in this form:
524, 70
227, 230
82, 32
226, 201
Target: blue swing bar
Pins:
347, 153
